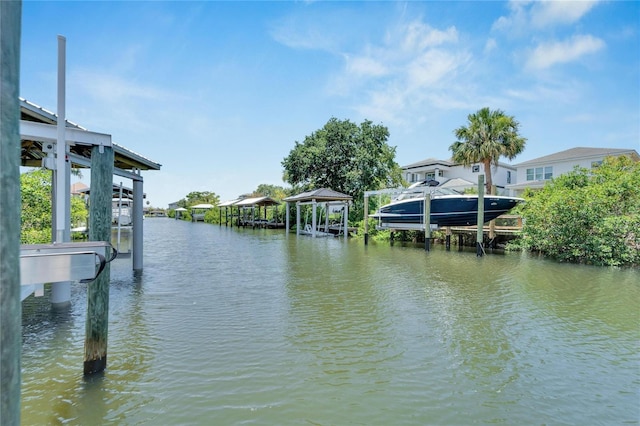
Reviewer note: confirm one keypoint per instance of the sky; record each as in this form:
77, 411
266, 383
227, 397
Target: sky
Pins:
219, 92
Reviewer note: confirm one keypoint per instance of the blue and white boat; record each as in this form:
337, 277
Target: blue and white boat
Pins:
448, 207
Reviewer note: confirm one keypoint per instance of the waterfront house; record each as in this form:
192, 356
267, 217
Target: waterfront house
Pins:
456, 176
535, 173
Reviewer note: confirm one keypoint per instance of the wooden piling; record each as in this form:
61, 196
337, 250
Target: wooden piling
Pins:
96, 330
366, 220
427, 221
448, 238
480, 234
10, 305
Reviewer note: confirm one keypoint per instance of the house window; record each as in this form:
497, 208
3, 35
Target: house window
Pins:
475, 168
540, 173
596, 164
508, 176
429, 176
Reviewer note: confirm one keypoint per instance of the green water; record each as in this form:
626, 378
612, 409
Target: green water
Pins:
231, 326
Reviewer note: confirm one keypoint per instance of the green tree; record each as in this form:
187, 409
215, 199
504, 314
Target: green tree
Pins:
35, 194
199, 197
273, 191
344, 157
488, 136
587, 216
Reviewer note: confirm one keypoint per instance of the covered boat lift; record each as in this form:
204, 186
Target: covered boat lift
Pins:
250, 204
39, 135
319, 197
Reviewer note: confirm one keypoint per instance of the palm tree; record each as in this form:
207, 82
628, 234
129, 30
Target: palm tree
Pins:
489, 136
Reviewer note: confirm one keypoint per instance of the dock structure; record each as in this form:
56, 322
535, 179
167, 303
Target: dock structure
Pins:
49, 140
492, 229
253, 212
323, 197
227, 205
199, 210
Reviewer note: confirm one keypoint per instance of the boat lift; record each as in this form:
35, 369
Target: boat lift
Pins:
61, 262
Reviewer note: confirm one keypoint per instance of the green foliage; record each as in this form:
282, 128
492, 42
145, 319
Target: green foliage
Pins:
199, 197
79, 212
35, 191
212, 216
587, 216
489, 136
344, 157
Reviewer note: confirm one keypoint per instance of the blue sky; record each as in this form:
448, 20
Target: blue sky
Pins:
219, 92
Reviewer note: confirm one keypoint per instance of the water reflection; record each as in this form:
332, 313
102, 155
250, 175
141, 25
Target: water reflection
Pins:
234, 326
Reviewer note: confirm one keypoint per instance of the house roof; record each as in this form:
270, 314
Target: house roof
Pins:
445, 163
322, 194
429, 162
580, 153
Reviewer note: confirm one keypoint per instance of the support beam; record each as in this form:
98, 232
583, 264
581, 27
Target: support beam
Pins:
346, 220
480, 233
95, 343
10, 306
314, 223
137, 220
427, 221
366, 220
286, 217
61, 291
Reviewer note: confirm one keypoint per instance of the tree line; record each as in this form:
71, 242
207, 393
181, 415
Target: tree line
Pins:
589, 216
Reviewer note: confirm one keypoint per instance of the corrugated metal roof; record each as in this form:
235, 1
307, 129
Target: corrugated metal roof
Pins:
577, 154
256, 201
322, 194
228, 203
31, 151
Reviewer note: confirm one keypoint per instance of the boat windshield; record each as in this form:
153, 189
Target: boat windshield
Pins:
416, 191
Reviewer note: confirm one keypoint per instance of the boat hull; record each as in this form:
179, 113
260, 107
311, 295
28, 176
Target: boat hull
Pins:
445, 210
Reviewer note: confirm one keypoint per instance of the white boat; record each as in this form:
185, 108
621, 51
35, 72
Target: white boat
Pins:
121, 211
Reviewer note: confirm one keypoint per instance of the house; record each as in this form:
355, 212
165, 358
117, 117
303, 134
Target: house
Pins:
457, 176
535, 173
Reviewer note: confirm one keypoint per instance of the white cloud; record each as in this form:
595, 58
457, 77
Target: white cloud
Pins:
526, 15
365, 66
490, 45
548, 13
407, 70
549, 54
418, 36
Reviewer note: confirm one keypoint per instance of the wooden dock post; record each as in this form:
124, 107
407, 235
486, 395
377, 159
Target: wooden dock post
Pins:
10, 306
366, 220
96, 330
447, 241
427, 221
480, 233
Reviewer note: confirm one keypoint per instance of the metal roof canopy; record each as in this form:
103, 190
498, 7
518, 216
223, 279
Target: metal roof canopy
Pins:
256, 201
317, 197
37, 127
322, 194
126, 192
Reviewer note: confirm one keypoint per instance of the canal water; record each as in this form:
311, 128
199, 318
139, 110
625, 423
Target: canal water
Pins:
230, 326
